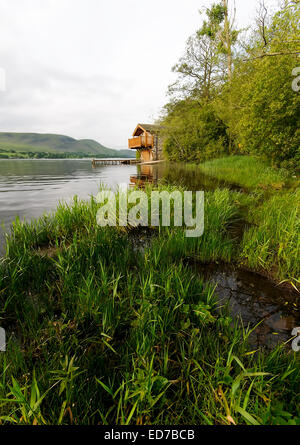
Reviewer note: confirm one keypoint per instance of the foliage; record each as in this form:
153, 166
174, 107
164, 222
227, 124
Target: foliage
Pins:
246, 171
256, 110
260, 107
274, 241
192, 132
199, 71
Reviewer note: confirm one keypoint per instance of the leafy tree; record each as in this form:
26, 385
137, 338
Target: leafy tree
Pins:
220, 28
193, 133
253, 109
281, 36
265, 116
199, 70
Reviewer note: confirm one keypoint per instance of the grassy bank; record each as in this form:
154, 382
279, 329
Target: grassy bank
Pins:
246, 171
102, 332
273, 242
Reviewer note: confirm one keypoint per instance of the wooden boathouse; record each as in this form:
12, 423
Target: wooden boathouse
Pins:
146, 139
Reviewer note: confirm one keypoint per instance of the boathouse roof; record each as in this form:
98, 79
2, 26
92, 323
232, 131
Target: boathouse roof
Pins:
141, 128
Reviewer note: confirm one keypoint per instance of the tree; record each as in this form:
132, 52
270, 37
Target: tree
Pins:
238, 102
193, 133
221, 28
199, 70
281, 38
264, 116
228, 37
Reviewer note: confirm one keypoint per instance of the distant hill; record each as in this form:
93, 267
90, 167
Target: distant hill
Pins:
37, 145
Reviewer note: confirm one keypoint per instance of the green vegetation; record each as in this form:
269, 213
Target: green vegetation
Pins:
273, 243
193, 133
215, 244
100, 332
246, 171
269, 204
234, 91
33, 145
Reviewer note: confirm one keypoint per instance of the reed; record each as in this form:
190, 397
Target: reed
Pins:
100, 332
246, 171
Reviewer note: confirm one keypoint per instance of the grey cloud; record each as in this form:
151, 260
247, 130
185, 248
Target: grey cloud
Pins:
92, 69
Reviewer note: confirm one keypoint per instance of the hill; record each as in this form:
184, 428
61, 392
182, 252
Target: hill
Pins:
35, 145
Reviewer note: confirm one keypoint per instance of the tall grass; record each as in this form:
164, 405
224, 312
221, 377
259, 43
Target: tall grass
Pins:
220, 211
273, 243
246, 171
99, 332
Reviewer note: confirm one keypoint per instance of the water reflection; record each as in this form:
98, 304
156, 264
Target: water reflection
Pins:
255, 299
147, 174
190, 177
29, 188
185, 175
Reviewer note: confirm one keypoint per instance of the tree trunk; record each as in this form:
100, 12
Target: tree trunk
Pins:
227, 38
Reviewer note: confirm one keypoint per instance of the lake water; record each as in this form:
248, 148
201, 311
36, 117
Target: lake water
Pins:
28, 188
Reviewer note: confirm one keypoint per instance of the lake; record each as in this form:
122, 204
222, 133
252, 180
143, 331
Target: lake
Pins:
28, 188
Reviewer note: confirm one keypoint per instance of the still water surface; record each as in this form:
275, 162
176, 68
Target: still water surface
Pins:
28, 188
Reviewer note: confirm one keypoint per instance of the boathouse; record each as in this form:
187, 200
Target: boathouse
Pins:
146, 139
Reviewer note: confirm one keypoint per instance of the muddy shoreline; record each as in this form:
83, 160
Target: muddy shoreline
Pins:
253, 299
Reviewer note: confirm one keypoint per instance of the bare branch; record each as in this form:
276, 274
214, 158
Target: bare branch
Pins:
279, 53
262, 19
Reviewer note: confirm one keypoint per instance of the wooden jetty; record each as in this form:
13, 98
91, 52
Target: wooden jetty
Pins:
114, 161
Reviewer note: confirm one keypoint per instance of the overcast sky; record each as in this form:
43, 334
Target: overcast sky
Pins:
93, 68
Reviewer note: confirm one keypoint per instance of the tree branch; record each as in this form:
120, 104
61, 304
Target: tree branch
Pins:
279, 53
